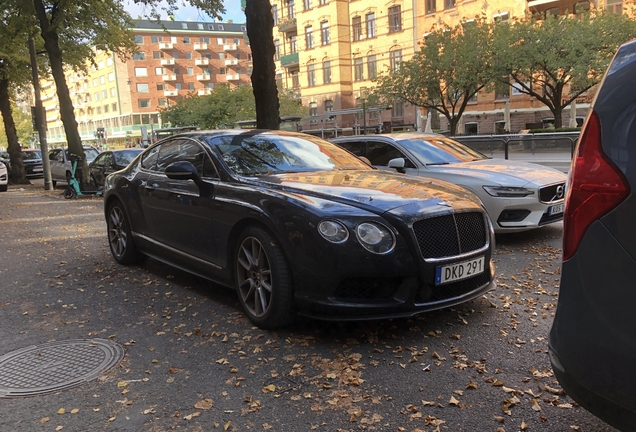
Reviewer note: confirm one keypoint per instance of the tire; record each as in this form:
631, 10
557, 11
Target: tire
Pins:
262, 279
69, 192
120, 240
3, 188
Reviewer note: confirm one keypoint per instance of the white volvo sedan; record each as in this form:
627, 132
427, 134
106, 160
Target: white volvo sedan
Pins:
518, 196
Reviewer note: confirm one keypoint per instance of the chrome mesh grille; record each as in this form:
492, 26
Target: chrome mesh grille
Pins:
450, 235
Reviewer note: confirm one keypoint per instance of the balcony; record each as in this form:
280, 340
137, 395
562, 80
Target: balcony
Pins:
289, 60
204, 77
167, 62
166, 46
169, 77
51, 107
204, 92
200, 46
202, 62
231, 62
287, 25
230, 47
169, 93
232, 77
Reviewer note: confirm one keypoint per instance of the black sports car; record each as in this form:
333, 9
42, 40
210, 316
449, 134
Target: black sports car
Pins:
296, 223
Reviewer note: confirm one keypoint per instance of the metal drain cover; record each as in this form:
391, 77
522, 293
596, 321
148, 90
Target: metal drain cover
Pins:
55, 366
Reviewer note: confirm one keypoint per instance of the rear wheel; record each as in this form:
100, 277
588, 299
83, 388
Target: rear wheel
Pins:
120, 239
263, 280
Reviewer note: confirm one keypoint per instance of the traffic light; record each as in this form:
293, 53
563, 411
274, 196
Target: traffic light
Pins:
100, 133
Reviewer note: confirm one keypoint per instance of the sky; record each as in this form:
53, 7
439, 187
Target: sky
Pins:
232, 7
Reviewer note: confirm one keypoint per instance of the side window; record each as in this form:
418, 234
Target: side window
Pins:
107, 160
53, 154
150, 158
380, 153
61, 156
168, 153
185, 150
355, 147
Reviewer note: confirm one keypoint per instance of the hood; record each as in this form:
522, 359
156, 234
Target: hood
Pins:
380, 190
504, 172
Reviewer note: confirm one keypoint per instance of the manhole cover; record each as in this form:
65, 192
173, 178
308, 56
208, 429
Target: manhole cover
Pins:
55, 366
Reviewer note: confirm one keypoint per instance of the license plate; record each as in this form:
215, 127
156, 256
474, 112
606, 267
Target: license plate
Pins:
556, 209
37, 169
459, 271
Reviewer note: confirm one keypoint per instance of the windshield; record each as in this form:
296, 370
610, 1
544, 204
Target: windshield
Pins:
258, 154
126, 156
31, 155
440, 150
90, 153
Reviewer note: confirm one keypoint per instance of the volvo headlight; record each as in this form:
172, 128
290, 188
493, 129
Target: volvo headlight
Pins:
507, 191
375, 238
333, 231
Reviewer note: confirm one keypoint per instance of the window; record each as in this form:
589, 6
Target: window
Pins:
395, 58
326, 72
199, 26
143, 88
155, 39
380, 153
395, 19
191, 86
370, 24
295, 79
324, 33
516, 89
356, 28
106, 109
186, 40
448, 4
188, 55
161, 102
141, 72
139, 39
102, 79
309, 37
470, 128
144, 103
431, 7
139, 56
99, 110
220, 27
157, 55
358, 69
311, 75
113, 107
307, 4
190, 71
501, 17
177, 86
204, 40
94, 82
96, 96
184, 26
104, 94
398, 109
275, 14
182, 150
372, 67
292, 44
328, 105
159, 86
502, 89
175, 54
109, 61
159, 71
176, 70
313, 109
614, 6
291, 9
113, 92
111, 77
277, 49
323, 2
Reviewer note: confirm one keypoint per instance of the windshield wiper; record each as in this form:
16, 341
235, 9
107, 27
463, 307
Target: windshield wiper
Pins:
438, 163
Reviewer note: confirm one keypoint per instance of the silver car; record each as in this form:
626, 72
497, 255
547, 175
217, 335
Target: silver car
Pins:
61, 165
518, 196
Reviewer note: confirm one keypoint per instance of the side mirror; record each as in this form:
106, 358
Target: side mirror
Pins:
183, 170
398, 164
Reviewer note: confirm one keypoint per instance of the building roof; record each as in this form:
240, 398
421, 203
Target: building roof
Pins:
195, 26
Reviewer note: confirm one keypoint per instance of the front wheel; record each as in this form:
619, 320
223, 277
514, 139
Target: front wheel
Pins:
69, 192
263, 280
120, 239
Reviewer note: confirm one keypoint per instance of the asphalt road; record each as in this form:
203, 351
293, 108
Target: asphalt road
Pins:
482, 366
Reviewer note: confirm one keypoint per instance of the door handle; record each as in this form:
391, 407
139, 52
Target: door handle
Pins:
152, 186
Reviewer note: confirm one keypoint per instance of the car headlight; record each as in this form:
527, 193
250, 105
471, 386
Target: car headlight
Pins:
333, 231
375, 238
507, 191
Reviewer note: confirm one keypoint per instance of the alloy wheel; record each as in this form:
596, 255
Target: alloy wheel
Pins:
254, 277
117, 235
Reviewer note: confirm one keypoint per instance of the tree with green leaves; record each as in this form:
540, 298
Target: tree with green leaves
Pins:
558, 58
222, 108
452, 65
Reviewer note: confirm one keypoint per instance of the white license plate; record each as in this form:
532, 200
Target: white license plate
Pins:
556, 209
459, 271
37, 169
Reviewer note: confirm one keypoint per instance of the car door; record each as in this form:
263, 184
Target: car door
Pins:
56, 162
180, 213
379, 153
101, 167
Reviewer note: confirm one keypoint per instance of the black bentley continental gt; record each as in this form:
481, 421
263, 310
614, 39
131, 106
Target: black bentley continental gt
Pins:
298, 225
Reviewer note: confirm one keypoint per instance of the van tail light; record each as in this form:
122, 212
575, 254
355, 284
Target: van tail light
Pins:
596, 186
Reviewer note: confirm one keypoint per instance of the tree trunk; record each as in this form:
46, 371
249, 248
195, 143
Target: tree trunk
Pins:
452, 124
558, 116
260, 25
52, 46
17, 174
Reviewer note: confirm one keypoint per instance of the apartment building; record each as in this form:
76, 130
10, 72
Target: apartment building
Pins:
118, 102
329, 51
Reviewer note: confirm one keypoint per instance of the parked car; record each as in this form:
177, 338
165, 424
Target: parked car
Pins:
293, 222
592, 342
110, 161
4, 177
61, 164
518, 196
5, 159
32, 160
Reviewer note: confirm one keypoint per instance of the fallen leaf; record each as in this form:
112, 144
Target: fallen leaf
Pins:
535, 405
204, 404
44, 419
74, 410
453, 401
269, 389
523, 426
61, 411
227, 425
122, 384
500, 419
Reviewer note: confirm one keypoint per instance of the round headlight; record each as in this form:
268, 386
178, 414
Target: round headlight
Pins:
375, 238
333, 231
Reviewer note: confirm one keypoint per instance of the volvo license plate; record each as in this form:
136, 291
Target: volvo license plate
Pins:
556, 209
459, 271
